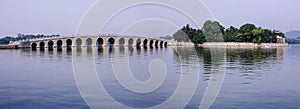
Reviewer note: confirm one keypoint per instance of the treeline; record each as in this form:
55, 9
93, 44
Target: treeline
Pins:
7, 39
213, 31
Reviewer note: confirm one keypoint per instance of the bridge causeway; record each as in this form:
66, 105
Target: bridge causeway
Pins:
91, 41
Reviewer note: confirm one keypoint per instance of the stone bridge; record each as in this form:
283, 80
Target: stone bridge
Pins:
91, 41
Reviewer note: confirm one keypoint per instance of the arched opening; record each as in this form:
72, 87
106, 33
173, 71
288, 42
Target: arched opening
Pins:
33, 45
156, 43
166, 44
59, 43
50, 44
100, 42
138, 42
78, 42
161, 43
151, 42
145, 42
130, 41
42, 44
69, 42
111, 41
89, 42
122, 41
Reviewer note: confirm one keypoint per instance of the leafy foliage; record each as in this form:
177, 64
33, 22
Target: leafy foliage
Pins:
212, 31
188, 34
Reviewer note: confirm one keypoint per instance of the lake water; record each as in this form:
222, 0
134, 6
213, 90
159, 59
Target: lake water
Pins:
247, 78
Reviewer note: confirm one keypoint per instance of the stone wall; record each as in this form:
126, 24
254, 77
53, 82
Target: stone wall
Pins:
242, 45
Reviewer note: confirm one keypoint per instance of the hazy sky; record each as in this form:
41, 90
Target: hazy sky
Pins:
63, 16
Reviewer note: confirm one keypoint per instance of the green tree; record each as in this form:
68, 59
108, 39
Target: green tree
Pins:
181, 36
188, 34
230, 34
199, 37
213, 31
257, 33
247, 28
246, 34
267, 36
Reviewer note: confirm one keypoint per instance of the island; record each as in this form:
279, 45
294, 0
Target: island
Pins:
214, 34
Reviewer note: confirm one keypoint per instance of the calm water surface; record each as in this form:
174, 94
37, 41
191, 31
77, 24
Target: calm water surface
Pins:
255, 78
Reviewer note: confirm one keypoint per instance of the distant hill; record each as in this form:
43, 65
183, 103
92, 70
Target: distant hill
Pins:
292, 34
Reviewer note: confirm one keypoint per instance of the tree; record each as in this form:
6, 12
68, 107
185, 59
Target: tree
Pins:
246, 34
199, 37
213, 31
188, 34
230, 34
257, 33
247, 28
267, 36
181, 36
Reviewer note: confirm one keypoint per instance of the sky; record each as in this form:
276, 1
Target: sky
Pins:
64, 16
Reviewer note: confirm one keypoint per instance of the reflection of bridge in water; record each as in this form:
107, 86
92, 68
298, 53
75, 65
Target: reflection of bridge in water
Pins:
92, 41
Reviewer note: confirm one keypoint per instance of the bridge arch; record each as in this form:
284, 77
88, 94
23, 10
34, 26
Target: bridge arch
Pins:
138, 42
121, 41
68, 42
100, 42
78, 42
89, 42
42, 44
111, 41
151, 42
34, 45
166, 44
130, 41
145, 42
50, 44
156, 43
59, 43
161, 43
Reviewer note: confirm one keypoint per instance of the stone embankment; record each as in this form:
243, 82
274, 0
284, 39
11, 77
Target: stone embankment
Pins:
243, 45
232, 44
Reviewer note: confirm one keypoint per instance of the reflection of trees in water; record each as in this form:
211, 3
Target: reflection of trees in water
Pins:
250, 62
212, 59
253, 63
185, 53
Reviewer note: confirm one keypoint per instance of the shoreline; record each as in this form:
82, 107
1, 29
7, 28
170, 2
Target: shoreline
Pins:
233, 45
243, 45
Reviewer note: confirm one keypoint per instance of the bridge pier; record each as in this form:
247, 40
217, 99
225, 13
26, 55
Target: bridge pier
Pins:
83, 44
46, 44
64, 43
94, 42
54, 43
38, 45
74, 44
